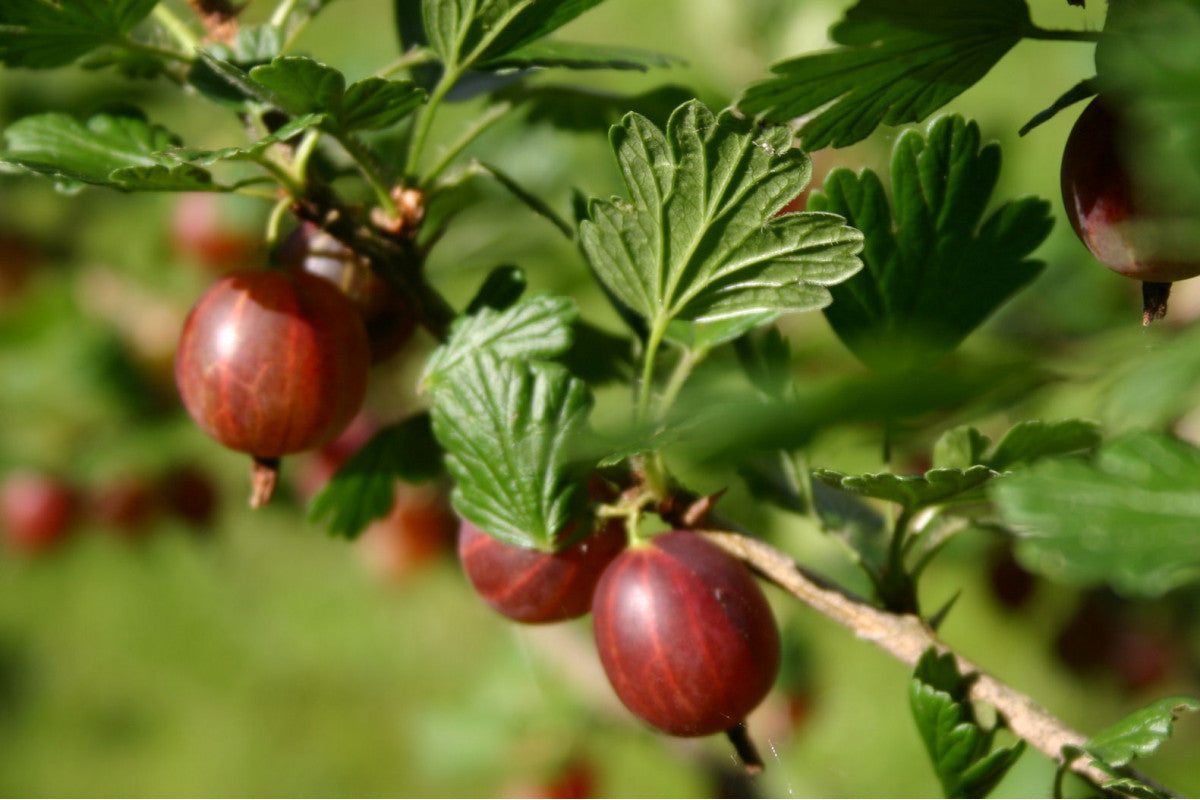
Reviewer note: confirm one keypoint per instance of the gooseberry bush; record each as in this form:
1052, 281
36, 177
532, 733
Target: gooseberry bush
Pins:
591, 436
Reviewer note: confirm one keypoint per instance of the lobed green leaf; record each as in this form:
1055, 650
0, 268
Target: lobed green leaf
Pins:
507, 427
120, 150
301, 86
957, 745
935, 269
698, 239
900, 61
1128, 517
912, 491
1141, 733
535, 328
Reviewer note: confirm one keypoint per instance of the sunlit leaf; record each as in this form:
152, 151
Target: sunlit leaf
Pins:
899, 61
698, 238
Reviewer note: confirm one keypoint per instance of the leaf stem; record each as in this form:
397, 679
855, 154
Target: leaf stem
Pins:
294, 188
279, 16
485, 121
423, 122
414, 56
366, 165
646, 383
154, 51
178, 29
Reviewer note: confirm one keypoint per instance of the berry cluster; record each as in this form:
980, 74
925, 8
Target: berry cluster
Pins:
40, 511
684, 632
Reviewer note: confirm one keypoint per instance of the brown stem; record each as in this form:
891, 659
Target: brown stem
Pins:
906, 637
747, 753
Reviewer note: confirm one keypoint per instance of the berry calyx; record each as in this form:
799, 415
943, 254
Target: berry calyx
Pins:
272, 363
534, 585
1117, 224
685, 635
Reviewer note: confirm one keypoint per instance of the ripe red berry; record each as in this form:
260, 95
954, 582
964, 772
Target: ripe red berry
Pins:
420, 526
190, 494
127, 505
36, 511
685, 635
205, 227
388, 319
272, 363
1119, 225
533, 585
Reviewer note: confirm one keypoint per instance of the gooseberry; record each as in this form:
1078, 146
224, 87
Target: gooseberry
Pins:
388, 319
531, 585
272, 363
1119, 225
685, 634
36, 511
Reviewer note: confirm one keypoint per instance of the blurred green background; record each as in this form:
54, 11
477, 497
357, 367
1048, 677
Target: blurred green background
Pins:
253, 655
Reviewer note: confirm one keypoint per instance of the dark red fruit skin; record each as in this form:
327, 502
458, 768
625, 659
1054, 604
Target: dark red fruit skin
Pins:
127, 505
420, 527
37, 511
685, 635
190, 494
388, 319
1103, 205
272, 363
532, 585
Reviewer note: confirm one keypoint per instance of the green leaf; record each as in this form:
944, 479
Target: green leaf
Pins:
503, 286
1129, 517
535, 328
363, 488
180, 178
1033, 440
900, 61
912, 491
698, 240
960, 448
934, 270
703, 336
957, 745
39, 34
1139, 734
301, 86
119, 150
575, 55
457, 29
506, 427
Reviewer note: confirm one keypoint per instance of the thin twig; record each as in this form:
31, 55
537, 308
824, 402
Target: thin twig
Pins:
906, 637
